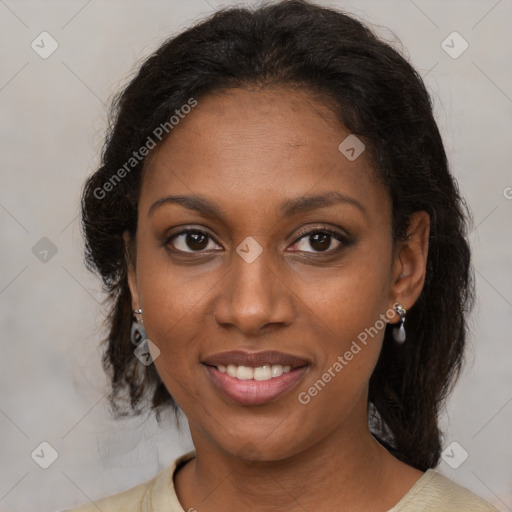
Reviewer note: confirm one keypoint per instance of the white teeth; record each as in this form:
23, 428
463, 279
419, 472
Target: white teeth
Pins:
265, 372
244, 373
231, 370
277, 370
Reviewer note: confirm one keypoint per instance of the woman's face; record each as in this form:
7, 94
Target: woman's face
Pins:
257, 272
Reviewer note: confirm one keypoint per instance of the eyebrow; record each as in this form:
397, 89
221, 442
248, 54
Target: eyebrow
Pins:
288, 208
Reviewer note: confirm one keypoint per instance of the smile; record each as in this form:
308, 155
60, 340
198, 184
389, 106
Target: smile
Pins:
254, 378
250, 390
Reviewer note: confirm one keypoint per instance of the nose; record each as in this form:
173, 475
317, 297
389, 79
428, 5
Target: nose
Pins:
254, 296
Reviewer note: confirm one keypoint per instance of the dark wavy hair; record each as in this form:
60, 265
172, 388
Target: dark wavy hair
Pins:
378, 96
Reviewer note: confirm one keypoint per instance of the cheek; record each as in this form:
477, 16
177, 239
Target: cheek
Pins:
347, 312
174, 303
349, 324
170, 294
349, 298
172, 308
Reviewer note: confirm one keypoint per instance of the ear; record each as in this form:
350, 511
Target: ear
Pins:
131, 274
410, 261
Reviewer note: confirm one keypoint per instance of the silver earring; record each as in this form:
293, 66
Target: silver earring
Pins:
399, 332
137, 331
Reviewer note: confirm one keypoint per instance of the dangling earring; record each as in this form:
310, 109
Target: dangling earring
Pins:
137, 331
399, 332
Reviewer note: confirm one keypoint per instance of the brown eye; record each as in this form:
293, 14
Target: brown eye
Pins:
191, 241
320, 241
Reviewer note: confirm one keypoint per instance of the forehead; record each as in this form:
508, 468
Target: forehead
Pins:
253, 147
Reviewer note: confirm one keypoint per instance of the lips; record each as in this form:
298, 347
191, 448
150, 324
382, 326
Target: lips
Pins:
253, 391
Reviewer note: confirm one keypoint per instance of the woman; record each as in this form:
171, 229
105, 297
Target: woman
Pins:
285, 251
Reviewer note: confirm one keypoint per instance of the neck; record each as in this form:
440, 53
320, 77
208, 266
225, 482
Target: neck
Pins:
347, 467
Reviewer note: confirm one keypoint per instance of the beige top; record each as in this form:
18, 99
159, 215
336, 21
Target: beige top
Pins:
432, 492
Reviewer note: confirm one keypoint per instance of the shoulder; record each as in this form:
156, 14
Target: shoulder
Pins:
434, 491
154, 495
130, 500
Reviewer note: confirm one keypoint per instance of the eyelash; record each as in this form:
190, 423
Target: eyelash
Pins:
303, 233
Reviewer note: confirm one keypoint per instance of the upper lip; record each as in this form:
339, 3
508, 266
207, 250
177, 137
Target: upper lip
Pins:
266, 357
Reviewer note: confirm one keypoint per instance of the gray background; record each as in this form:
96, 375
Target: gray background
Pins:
53, 117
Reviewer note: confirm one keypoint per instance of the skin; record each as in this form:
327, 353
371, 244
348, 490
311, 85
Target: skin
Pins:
249, 150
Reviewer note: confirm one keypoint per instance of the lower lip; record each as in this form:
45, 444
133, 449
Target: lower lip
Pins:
255, 392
